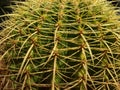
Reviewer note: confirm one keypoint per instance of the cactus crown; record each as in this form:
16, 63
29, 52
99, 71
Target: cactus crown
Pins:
62, 44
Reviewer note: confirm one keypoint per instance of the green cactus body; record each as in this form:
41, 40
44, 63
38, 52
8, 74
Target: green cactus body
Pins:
62, 45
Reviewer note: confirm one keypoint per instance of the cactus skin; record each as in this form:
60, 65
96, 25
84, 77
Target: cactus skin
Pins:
62, 45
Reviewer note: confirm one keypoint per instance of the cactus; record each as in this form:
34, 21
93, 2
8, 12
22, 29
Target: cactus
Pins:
62, 45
